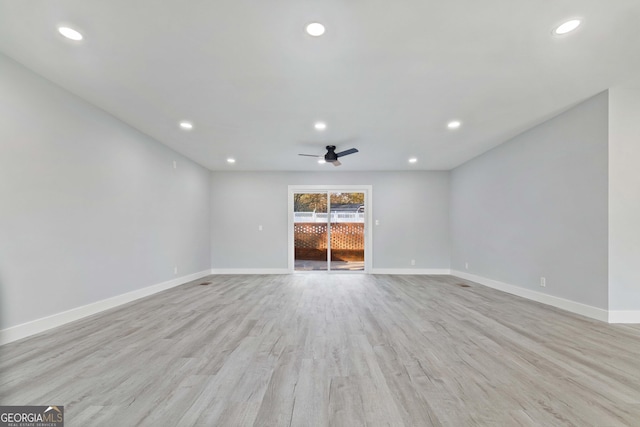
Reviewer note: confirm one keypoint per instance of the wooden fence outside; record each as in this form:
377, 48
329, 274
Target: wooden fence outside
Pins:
347, 241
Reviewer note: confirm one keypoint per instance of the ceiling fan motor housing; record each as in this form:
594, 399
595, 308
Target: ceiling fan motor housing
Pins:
331, 155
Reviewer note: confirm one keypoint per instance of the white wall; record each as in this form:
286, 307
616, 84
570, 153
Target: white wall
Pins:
624, 199
412, 207
89, 207
537, 206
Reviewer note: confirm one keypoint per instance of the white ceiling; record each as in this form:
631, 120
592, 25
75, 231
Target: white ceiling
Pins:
386, 77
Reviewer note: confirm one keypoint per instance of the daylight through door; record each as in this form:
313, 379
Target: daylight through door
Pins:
329, 231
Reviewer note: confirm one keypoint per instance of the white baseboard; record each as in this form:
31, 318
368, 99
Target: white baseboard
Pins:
624, 316
250, 271
564, 304
33, 327
416, 271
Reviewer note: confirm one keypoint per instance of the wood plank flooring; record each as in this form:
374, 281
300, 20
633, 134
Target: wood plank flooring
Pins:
331, 350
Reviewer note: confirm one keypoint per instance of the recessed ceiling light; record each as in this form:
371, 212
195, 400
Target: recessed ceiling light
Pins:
567, 27
454, 124
413, 160
322, 161
70, 33
231, 160
186, 125
315, 29
320, 126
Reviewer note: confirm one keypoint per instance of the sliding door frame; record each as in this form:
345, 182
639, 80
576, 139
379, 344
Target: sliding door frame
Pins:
368, 241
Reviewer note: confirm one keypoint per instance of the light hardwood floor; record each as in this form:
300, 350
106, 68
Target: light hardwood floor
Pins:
331, 350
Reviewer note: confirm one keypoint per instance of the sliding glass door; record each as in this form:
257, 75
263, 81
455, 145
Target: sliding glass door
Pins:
329, 230
346, 231
311, 242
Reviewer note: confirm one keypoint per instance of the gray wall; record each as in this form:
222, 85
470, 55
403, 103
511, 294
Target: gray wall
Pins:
537, 206
412, 207
89, 207
624, 199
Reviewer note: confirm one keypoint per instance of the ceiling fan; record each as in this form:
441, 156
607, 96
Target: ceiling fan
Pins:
332, 156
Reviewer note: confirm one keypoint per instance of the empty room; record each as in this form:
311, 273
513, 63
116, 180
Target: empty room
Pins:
319, 213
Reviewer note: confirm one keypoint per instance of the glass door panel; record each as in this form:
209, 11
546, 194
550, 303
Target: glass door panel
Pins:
346, 231
310, 231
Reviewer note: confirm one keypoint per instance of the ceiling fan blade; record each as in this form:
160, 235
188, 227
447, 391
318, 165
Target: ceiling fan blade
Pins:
336, 163
346, 152
309, 155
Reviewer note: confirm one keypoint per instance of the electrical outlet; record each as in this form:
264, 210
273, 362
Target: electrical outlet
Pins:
377, 222
175, 164
413, 262
260, 228
466, 265
175, 270
543, 282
